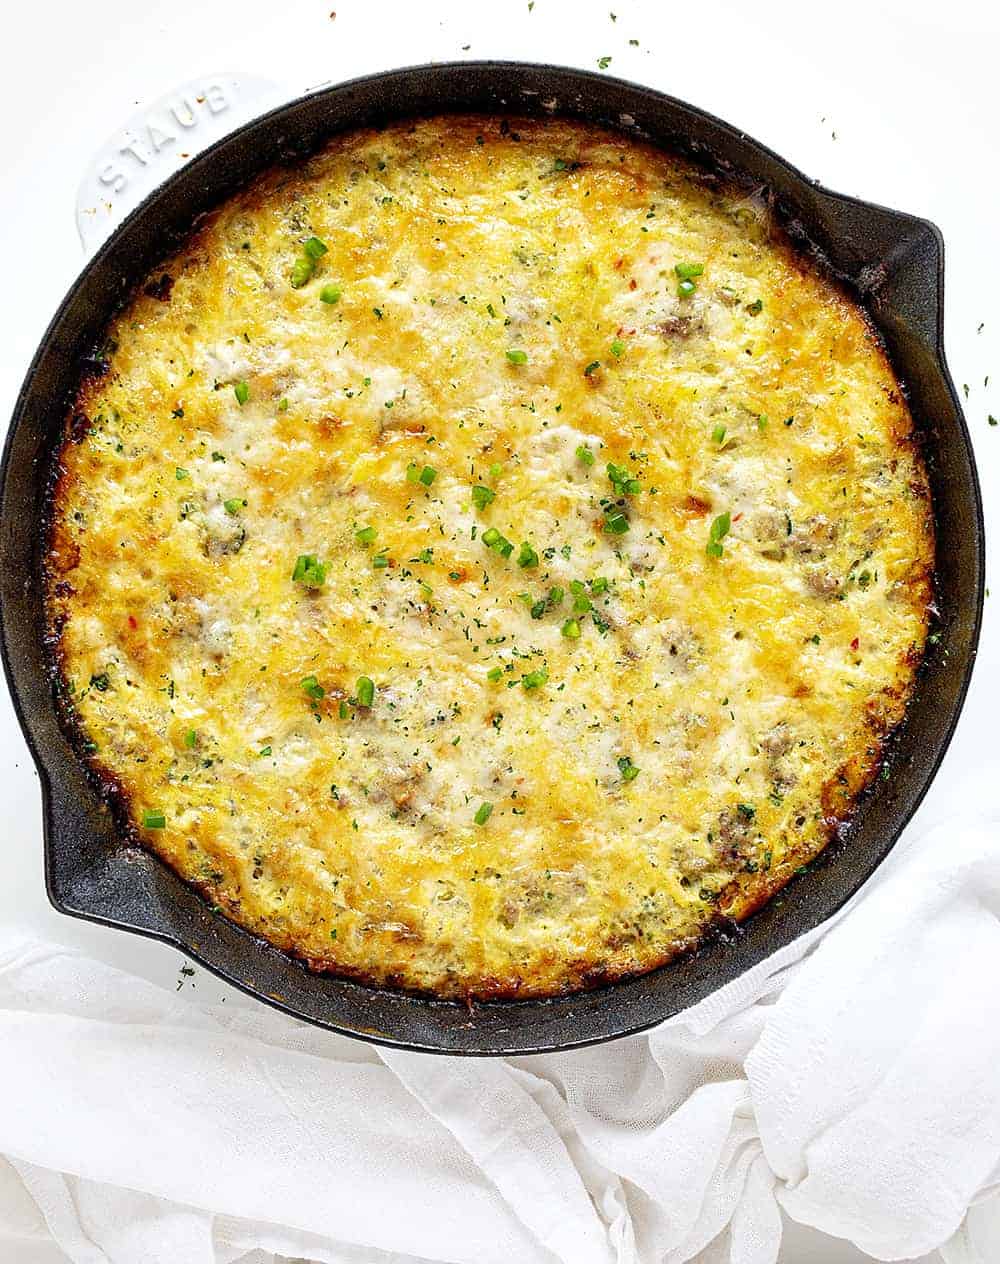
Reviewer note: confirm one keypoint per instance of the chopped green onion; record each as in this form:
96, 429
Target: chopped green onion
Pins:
366, 535
283, 405
181, 474
516, 356
756, 307
380, 561
555, 597
190, 739
571, 629
366, 691
314, 248
591, 368
496, 469
233, 506
627, 769
413, 472
264, 752
717, 532
685, 289
618, 348
494, 674
719, 434
242, 392
720, 526
762, 422
535, 678
329, 294
302, 270
599, 585
313, 688
688, 271
427, 475
585, 456
153, 820
527, 557
309, 571
343, 711
615, 522
622, 481
497, 542
482, 496
538, 608
484, 813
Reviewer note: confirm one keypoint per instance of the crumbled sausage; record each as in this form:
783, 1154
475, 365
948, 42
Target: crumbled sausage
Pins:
537, 895
678, 326
814, 536
769, 524
734, 828
777, 742
822, 582
771, 527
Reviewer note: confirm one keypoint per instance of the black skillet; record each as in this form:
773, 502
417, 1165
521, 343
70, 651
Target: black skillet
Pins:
892, 260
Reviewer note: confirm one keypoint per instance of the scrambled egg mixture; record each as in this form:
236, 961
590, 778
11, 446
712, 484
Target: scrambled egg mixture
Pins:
488, 557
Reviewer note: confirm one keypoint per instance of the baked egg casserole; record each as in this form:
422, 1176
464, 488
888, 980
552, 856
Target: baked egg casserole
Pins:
486, 556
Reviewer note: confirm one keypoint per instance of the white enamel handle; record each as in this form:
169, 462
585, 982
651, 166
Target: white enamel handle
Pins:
161, 137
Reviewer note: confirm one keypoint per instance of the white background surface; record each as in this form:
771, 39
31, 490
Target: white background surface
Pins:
884, 100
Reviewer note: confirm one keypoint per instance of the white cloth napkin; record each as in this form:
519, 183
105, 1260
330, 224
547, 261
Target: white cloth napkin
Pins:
853, 1081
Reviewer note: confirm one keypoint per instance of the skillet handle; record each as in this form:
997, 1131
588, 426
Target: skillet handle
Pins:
161, 137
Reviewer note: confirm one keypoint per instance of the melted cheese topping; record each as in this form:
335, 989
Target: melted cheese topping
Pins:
580, 750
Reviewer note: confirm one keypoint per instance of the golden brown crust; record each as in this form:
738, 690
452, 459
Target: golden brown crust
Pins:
752, 688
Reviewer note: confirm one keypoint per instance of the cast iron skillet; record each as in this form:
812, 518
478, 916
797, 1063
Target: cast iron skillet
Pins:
894, 261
